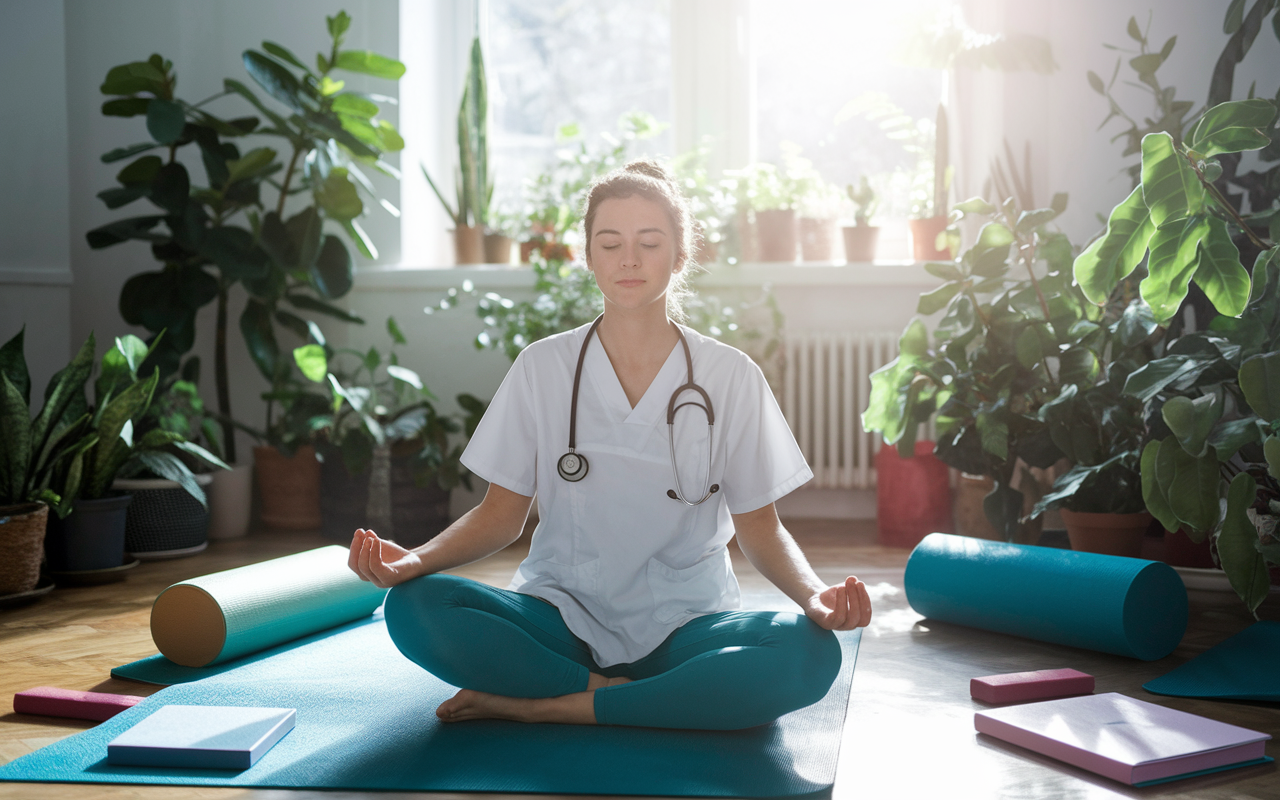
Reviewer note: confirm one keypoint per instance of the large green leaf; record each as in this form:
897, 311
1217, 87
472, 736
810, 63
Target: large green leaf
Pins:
1233, 127
1219, 273
260, 338
355, 105
13, 363
305, 231
333, 272
244, 91
123, 230
233, 250
170, 467
1260, 383
886, 408
1153, 377
311, 304
171, 188
1111, 258
934, 301
121, 153
1191, 484
278, 81
1156, 500
313, 362
338, 197
126, 107
276, 241
1271, 451
363, 243
1171, 265
64, 396
369, 63
112, 450
251, 165
138, 76
1193, 420
1238, 544
165, 120
142, 170
284, 54
1170, 187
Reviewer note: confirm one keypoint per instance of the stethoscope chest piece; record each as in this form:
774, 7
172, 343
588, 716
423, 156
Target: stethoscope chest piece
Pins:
572, 467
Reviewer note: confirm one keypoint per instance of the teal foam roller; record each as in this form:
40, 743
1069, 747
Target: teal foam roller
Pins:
215, 618
1125, 606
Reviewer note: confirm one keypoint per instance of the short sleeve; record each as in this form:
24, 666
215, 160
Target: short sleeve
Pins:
504, 447
763, 461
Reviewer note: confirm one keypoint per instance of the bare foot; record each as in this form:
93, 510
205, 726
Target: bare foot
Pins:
577, 708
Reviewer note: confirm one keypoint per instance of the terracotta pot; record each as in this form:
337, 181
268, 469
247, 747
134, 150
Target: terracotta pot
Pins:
22, 529
776, 232
748, 244
924, 236
468, 244
230, 502
497, 248
860, 243
913, 496
971, 518
91, 537
817, 239
289, 487
1109, 534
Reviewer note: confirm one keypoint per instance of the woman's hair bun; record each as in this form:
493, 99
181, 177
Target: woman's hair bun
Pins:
653, 169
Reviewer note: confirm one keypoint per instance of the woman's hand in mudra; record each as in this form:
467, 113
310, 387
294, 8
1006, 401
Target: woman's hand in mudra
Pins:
841, 607
382, 563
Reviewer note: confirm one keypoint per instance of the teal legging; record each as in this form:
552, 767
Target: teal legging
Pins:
722, 671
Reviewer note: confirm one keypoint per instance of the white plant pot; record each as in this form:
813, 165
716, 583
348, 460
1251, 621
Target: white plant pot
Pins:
229, 499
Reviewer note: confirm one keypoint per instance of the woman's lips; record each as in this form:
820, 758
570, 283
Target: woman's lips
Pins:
630, 282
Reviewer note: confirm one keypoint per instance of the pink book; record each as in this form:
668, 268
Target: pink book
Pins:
1124, 739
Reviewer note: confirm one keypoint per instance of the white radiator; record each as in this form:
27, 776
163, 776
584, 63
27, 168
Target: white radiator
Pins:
824, 391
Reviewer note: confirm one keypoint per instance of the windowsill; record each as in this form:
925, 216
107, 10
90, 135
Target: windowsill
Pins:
501, 276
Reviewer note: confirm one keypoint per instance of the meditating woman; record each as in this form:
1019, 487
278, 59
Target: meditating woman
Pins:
648, 447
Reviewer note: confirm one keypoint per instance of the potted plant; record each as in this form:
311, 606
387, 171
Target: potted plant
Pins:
860, 238
817, 205
769, 194
165, 519
1008, 308
474, 188
929, 196
712, 202
500, 236
34, 448
290, 267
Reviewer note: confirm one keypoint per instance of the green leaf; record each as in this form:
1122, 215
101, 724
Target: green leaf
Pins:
363, 243
975, 205
15, 457
1134, 31
1157, 502
233, 250
165, 120
1170, 187
112, 451
171, 188
311, 304
935, 301
121, 153
305, 230
994, 433
1096, 83
1235, 17
123, 230
1233, 127
313, 362
13, 362
405, 375
260, 337
1260, 383
391, 140
126, 107
1028, 221
992, 235
1173, 261
943, 269
1271, 451
333, 273
1230, 436
278, 82
1193, 420
369, 63
393, 329
338, 197
250, 165
138, 76
142, 170
1117, 253
355, 105
170, 467
1154, 376
1190, 483
1219, 273
284, 55
1238, 544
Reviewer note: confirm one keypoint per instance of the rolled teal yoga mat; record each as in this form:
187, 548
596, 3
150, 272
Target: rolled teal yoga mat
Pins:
1126, 606
1244, 667
366, 722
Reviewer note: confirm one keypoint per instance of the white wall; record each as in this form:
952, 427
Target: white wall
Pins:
205, 41
35, 260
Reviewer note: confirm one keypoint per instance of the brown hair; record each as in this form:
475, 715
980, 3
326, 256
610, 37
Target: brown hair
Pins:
650, 180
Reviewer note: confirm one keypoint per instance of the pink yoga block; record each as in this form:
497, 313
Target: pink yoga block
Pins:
1020, 687
50, 701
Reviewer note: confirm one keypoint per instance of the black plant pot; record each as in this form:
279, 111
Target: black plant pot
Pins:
90, 538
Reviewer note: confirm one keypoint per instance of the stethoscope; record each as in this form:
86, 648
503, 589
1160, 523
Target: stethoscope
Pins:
573, 467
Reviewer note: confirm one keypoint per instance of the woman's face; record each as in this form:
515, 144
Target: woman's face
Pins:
633, 251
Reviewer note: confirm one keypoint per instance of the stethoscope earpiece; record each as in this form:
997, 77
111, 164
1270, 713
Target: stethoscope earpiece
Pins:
572, 467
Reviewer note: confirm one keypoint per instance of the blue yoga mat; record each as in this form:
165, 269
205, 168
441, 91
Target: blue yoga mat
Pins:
366, 722
1126, 606
1244, 667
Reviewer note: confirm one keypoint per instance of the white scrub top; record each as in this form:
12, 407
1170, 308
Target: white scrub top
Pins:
624, 563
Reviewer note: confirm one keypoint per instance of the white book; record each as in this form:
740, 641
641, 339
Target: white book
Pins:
1124, 739
217, 737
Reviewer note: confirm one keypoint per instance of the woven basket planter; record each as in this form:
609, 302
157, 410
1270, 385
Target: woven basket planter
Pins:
164, 519
22, 530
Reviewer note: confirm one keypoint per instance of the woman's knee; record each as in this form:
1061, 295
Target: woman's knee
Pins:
414, 609
809, 661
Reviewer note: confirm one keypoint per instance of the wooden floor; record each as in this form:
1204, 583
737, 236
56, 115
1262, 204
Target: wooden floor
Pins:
910, 728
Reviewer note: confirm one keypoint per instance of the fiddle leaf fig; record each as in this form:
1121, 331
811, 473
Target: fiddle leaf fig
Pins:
1219, 273
1157, 501
1260, 383
1190, 483
1193, 420
1171, 265
1271, 451
1170, 187
1117, 253
1233, 128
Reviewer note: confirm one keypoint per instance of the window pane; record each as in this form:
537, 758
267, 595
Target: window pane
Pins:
817, 58
553, 63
